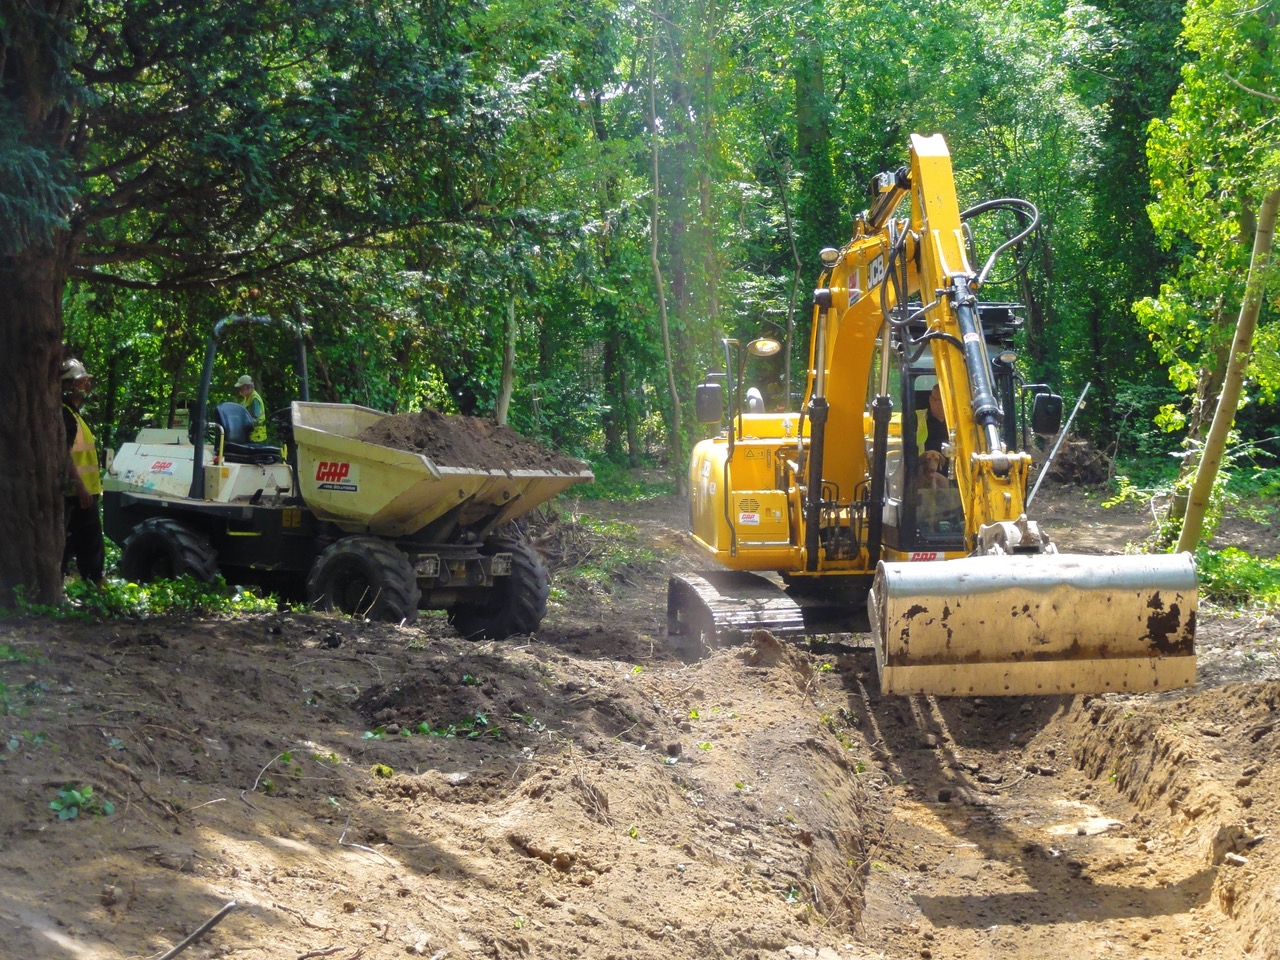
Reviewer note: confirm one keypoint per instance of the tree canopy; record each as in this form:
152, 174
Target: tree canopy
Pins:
496, 206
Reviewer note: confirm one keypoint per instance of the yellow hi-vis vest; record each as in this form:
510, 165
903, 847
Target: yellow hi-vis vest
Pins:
259, 432
84, 457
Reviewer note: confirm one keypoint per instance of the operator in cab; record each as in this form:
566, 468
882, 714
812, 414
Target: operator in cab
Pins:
931, 424
252, 401
84, 481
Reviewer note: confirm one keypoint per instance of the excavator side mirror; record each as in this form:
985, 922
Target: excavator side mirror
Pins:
1046, 414
708, 402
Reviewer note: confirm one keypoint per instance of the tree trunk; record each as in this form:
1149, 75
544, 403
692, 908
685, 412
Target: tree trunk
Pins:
32, 441
813, 132
507, 386
789, 337
1209, 383
1233, 382
1037, 350
819, 220
634, 453
614, 383
674, 445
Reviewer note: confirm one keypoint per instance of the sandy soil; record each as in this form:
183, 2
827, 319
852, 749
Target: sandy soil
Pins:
362, 791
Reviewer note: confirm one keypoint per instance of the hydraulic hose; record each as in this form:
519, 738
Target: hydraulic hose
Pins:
1024, 208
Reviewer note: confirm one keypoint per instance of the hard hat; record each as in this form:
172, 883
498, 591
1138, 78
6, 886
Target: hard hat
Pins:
73, 370
245, 381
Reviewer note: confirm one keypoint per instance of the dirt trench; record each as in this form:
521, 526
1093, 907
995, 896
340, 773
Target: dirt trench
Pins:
367, 792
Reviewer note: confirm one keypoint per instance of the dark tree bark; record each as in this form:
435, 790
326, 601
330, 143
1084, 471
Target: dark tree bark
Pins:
32, 442
35, 258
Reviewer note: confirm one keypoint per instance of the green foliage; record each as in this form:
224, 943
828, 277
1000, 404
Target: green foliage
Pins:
614, 482
73, 800
11, 654
1212, 159
1232, 577
1136, 406
397, 176
14, 700
612, 551
1126, 491
119, 599
470, 728
1259, 492
35, 187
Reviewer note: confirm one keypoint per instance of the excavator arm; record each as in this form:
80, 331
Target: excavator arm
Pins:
1015, 616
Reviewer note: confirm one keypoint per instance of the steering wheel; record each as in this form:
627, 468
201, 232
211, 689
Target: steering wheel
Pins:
282, 420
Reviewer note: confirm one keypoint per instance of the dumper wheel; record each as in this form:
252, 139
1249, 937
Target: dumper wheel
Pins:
159, 549
518, 601
364, 577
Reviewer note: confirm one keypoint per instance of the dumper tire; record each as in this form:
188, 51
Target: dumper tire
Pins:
164, 549
364, 577
517, 603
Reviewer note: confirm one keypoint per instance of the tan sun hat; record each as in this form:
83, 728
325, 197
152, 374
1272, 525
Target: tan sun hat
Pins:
245, 381
73, 370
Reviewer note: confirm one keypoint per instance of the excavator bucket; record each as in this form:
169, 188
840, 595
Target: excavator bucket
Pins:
1038, 624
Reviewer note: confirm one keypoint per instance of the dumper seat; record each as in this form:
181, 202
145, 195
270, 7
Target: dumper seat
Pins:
236, 446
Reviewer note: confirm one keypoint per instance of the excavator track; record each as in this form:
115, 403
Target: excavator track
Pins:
722, 607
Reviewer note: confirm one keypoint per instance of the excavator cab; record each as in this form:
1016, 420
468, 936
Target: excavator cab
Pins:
924, 515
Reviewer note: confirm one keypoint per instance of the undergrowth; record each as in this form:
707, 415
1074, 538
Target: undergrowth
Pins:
120, 599
614, 552
1229, 576
1232, 577
614, 482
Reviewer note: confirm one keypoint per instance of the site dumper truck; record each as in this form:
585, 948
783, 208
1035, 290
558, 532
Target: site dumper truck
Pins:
347, 524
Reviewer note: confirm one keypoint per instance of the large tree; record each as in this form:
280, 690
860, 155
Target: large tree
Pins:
1211, 165
182, 145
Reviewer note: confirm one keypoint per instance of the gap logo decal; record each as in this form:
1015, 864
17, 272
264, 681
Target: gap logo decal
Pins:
337, 475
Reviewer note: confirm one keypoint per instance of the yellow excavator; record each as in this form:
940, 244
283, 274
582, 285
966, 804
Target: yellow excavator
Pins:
900, 484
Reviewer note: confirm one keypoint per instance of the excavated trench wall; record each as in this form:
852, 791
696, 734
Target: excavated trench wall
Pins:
1206, 765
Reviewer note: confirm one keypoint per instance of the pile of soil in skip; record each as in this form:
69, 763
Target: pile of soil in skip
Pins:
454, 441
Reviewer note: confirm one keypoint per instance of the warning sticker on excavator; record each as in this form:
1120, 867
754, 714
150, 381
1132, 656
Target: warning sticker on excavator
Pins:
338, 475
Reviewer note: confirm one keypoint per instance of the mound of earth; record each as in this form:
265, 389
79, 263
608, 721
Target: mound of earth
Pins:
473, 442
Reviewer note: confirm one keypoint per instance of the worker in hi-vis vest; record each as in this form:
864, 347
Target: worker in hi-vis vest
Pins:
84, 481
931, 423
252, 402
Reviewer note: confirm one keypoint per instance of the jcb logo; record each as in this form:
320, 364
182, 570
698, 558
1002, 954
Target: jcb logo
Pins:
327, 472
